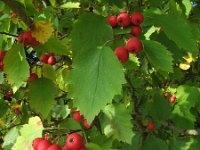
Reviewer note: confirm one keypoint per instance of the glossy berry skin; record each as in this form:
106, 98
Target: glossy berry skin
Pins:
43, 145
14, 15
32, 77
112, 21
165, 95
51, 60
77, 116
87, 125
8, 95
65, 147
83, 148
123, 19
137, 18
172, 98
2, 55
122, 54
36, 142
74, 141
150, 126
54, 147
134, 45
1, 65
44, 58
136, 31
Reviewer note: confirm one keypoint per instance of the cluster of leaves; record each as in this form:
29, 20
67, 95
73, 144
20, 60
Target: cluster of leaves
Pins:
120, 98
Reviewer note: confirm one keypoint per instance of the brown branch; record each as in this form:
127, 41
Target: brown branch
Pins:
19, 10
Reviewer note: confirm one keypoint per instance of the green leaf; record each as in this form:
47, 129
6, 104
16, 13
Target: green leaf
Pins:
119, 120
10, 138
90, 31
42, 93
28, 133
118, 31
187, 97
71, 5
188, 6
173, 27
71, 124
159, 108
3, 107
16, 66
95, 79
135, 144
158, 56
93, 146
48, 72
154, 143
53, 45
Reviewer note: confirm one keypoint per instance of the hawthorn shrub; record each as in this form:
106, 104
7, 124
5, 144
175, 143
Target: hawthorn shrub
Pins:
99, 75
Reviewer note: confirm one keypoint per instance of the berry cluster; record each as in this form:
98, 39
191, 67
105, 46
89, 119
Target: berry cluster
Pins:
2, 55
172, 99
74, 141
79, 118
48, 59
133, 45
27, 39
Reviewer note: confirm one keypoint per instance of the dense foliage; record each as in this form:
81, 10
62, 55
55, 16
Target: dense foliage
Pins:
100, 75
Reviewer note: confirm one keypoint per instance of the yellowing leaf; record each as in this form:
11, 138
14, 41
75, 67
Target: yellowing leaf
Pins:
188, 58
42, 31
184, 66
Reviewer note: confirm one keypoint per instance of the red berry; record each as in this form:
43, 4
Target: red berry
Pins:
46, 136
137, 18
44, 58
54, 147
9, 94
43, 145
74, 141
123, 19
150, 126
17, 111
87, 125
112, 20
174, 95
21, 38
32, 77
51, 60
13, 15
172, 99
36, 142
166, 95
77, 116
83, 148
1, 65
122, 54
65, 147
27, 39
134, 45
136, 30
2, 55
38, 9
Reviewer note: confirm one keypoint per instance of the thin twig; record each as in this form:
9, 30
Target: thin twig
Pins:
8, 34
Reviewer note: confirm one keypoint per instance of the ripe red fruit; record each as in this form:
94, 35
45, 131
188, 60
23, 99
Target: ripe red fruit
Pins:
14, 15
46, 136
87, 125
54, 147
65, 147
38, 9
17, 111
74, 141
36, 142
32, 77
27, 39
123, 19
150, 126
134, 45
2, 55
77, 116
112, 20
122, 54
9, 94
1, 65
137, 18
83, 148
44, 58
51, 60
43, 145
136, 30
165, 94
